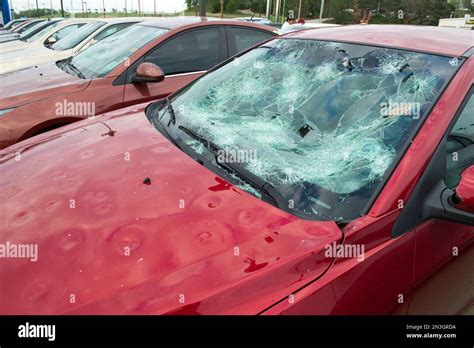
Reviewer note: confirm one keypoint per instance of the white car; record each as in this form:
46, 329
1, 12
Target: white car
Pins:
46, 36
68, 46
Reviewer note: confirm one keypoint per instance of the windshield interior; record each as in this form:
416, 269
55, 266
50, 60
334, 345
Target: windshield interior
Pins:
101, 58
322, 122
76, 37
46, 28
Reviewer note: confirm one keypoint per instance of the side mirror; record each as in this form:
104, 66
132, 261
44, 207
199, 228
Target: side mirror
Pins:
464, 197
147, 73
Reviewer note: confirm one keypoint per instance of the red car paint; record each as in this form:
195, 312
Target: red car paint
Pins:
35, 92
227, 251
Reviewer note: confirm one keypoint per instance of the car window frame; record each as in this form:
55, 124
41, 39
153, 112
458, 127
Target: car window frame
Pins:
223, 55
468, 96
125, 77
433, 177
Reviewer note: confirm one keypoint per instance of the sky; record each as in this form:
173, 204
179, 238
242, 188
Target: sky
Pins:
146, 5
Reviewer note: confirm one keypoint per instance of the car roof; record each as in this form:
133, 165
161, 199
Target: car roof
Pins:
445, 41
175, 22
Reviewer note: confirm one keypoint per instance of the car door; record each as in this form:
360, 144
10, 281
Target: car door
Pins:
183, 58
444, 253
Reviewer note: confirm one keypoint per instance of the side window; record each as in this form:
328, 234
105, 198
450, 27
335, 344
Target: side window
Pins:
66, 30
111, 30
194, 50
242, 38
460, 144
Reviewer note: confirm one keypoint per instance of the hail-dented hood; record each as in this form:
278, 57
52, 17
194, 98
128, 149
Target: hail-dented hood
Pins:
108, 243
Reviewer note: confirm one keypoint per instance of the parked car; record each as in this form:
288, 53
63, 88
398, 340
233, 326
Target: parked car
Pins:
346, 203
47, 35
118, 72
18, 26
12, 24
69, 46
5, 40
16, 32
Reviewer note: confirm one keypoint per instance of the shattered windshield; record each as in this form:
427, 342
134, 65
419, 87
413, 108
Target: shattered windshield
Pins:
322, 122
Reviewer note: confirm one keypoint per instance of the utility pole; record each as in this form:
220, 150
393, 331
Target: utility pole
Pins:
202, 8
62, 9
154, 8
222, 8
267, 12
322, 9
284, 10
126, 14
139, 8
103, 7
277, 11
12, 10
299, 10
37, 9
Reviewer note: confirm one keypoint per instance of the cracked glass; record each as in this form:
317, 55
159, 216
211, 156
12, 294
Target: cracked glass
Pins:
325, 120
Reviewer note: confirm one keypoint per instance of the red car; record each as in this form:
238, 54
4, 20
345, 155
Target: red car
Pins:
326, 171
110, 74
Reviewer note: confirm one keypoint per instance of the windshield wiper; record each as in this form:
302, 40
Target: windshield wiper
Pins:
74, 69
245, 175
171, 111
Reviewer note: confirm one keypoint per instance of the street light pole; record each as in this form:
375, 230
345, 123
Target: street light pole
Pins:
277, 11
103, 7
202, 8
322, 9
126, 14
62, 9
154, 8
299, 10
37, 9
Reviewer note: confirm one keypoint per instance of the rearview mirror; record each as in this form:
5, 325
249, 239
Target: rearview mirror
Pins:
464, 197
147, 73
